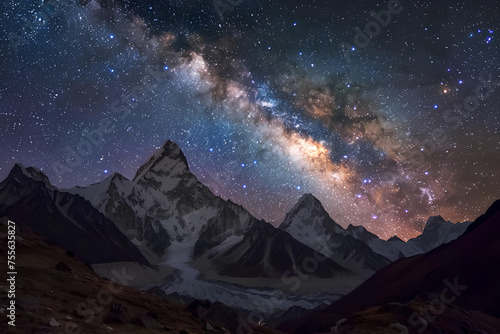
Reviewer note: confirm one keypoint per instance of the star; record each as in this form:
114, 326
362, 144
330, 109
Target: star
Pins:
346, 124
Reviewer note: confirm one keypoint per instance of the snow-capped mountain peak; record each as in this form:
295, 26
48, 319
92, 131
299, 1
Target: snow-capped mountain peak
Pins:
309, 222
168, 160
31, 172
165, 203
309, 216
309, 198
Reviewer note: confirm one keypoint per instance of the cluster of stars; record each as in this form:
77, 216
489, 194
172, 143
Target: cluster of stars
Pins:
264, 103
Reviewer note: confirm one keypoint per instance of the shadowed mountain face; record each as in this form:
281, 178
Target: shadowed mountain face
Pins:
53, 285
229, 221
211, 247
117, 208
352, 251
269, 252
438, 231
355, 247
309, 223
166, 204
69, 221
463, 273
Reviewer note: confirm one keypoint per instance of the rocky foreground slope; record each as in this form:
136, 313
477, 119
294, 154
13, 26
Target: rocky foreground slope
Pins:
57, 293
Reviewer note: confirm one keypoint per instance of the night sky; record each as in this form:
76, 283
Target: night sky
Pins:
268, 100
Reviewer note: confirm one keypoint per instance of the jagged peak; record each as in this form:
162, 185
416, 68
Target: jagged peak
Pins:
434, 221
352, 227
230, 204
305, 201
261, 226
107, 181
395, 238
360, 232
30, 172
169, 151
306, 205
357, 228
117, 176
309, 198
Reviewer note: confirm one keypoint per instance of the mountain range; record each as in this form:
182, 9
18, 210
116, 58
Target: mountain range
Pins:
71, 222
355, 247
165, 221
452, 288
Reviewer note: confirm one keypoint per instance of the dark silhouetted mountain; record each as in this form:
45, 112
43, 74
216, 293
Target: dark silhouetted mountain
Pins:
165, 203
464, 273
395, 239
230, 221
269, 252
69, 221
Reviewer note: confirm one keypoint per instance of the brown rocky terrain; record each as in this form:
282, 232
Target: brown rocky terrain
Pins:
56, 293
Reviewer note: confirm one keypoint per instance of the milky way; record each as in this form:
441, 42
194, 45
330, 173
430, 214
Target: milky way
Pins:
268, 100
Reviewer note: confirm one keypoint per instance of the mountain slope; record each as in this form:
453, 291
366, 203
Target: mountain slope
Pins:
133, 209
165, 210
463, 272
438, 231
309, 223
231, 220
71, 222
50, 284
269, 252
392, 249
165, 203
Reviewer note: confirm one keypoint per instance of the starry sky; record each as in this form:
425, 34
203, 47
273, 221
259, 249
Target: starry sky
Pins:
386, 111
